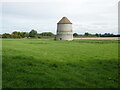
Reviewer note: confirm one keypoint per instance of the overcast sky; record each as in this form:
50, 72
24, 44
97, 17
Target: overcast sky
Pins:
93, 16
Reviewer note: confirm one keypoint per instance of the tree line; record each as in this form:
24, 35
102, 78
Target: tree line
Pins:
86, 34
31, 34
34, 34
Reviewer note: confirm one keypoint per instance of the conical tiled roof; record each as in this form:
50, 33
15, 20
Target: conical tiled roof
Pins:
64, 20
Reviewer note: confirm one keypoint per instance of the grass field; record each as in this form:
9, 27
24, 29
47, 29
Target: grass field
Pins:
45, 63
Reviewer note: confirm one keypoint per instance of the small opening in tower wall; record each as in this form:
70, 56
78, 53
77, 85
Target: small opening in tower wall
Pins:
60, 38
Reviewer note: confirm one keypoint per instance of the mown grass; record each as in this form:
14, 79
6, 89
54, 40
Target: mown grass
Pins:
45, 63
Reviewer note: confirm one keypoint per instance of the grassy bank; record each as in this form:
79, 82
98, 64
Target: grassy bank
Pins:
44, 63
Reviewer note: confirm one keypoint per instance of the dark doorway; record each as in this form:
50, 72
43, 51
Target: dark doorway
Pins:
60, 38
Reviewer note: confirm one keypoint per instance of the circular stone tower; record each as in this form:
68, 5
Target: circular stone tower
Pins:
64, 30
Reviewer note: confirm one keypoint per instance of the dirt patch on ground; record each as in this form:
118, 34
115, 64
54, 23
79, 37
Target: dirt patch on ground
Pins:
100, 38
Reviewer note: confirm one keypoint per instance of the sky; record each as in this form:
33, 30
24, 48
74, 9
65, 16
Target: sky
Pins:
93, 16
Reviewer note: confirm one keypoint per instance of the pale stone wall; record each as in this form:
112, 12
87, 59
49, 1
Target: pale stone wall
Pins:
64, 27
64, 32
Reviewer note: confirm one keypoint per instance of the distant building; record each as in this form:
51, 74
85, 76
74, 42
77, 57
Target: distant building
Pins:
64, 30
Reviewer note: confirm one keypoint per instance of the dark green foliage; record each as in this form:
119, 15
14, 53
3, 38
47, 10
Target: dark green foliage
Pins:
109, 35
6, 35
75, 34
45, 63
33, 33
86, 34
24, 34
16, 33
98, 35
47, 34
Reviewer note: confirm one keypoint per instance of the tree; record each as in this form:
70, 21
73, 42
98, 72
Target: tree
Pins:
47, 34
24, 34
86, 34
6, 35
100, 34
75, 34
16, 33
33, 33
97, 35
39, 35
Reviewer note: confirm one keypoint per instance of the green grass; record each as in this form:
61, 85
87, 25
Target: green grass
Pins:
45, 63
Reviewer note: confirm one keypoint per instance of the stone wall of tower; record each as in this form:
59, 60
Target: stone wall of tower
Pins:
64, 32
